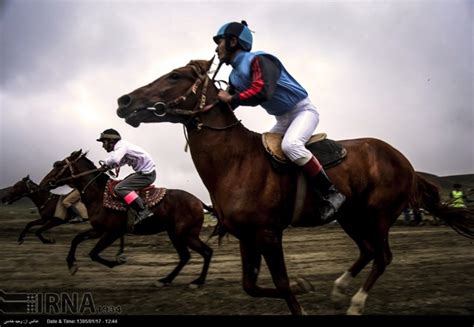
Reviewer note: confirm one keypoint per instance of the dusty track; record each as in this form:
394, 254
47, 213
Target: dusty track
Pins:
432, 272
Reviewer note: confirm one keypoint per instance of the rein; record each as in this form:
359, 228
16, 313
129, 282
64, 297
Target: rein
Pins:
32, 191
69, 165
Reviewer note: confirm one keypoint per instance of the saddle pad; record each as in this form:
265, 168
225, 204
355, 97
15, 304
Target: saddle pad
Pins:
151, 195
328, 152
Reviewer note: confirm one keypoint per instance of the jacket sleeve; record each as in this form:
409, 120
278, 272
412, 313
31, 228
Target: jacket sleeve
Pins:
115, 156
265, 74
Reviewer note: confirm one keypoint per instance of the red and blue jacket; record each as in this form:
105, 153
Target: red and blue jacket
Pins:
258, 78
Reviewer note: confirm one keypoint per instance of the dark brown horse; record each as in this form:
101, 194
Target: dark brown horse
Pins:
179, 213
255, 203
46, 203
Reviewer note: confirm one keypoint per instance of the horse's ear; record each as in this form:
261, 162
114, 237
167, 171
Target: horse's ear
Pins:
203, 65
210, 62
76, 153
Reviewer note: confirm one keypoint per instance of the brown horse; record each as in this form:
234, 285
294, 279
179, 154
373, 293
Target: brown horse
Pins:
46, 203
179, 213
255, 203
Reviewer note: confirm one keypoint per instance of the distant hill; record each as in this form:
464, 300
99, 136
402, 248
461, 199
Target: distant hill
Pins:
445, 183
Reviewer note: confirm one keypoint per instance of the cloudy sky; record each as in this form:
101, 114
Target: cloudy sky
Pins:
401, 71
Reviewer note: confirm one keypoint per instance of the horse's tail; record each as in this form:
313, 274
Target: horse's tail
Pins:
427, 197
219, 230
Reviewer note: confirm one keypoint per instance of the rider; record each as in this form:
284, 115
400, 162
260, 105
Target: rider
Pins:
125, 153
258, 78
72, 201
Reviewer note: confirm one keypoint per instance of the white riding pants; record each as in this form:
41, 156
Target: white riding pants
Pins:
297, 125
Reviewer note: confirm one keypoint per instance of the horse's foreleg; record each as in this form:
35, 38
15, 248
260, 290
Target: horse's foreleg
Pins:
25, 230
121, 246
206, 252
50, 224
251, 261
105, 241
184, 256
273, 253
71, 257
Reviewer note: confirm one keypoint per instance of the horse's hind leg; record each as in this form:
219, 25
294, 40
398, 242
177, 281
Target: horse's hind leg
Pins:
382, 257
206, 252
105, 241
50, 224
25, 230
71, 257
184, 256
366, 254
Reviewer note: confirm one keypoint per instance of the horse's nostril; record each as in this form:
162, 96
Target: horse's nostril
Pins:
124, 101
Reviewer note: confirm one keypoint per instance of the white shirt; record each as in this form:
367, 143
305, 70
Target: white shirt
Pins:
126, 153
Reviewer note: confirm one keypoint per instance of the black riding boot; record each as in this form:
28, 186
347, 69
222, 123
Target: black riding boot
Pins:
76, 215
141, 209
331, 197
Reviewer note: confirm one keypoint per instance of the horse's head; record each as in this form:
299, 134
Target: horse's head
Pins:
65, 172
21, 188
173, 97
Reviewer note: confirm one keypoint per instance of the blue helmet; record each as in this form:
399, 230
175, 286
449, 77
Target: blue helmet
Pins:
239, 30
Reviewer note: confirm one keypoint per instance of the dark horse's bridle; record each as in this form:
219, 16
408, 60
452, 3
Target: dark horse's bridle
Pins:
69, 164
161, 109
33, 188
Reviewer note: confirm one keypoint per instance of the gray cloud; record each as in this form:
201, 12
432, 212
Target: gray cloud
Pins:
397, 70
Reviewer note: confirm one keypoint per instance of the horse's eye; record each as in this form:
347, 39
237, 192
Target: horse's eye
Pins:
174, 76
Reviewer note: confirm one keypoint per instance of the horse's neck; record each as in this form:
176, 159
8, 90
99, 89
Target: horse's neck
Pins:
40, 197
91, 190
214, 152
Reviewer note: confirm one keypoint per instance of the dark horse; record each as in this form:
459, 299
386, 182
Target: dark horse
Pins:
179, 213
255, 203
46, 203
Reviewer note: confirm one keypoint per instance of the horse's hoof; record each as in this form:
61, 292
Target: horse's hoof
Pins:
121, 259
20, 242
73, 269
305, 285
354, 311
195, 285
161, 284
338, 298
302, 286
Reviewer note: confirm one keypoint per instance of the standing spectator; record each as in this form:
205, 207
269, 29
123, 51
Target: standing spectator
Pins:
457, 197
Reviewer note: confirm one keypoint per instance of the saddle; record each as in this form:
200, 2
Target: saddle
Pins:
329, 152
151, 195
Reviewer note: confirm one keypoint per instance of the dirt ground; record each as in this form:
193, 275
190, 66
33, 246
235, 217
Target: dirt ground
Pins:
432, 272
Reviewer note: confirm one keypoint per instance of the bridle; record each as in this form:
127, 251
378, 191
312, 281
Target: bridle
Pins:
69, 164
33, 188
161, 109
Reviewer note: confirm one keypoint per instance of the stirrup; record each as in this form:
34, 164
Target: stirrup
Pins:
142, 216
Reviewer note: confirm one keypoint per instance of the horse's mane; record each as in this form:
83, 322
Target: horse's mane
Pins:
102, 178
